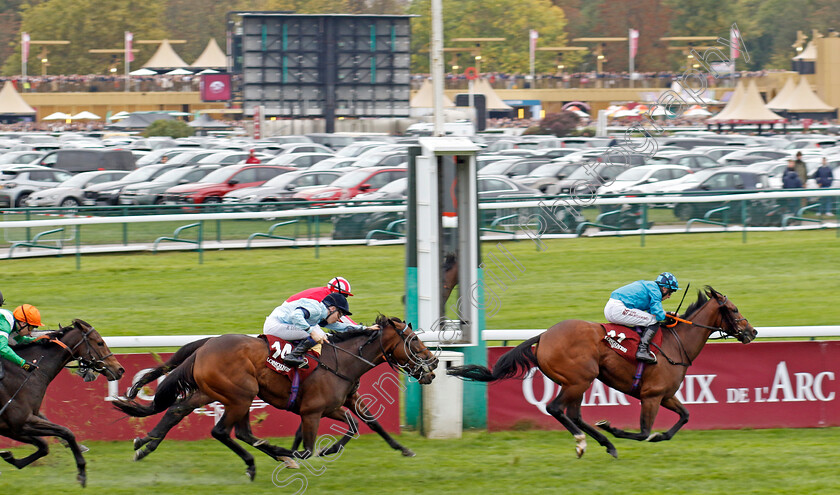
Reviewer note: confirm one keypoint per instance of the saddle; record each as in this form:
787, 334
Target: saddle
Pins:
277, 350
625, 340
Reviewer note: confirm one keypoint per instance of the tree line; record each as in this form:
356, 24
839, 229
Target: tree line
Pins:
769, 28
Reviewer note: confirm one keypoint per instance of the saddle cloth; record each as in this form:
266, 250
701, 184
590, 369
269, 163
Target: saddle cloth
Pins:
277, 350
625, 340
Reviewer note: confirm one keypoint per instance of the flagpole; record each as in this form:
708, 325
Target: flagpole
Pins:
24, 58
630, 55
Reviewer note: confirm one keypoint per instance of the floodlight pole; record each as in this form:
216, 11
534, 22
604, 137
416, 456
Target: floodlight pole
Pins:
437, 66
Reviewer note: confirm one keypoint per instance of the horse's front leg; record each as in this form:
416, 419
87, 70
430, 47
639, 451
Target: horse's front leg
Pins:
38, 427
672, 404
309, 430
650, 406
39, 443
144, 446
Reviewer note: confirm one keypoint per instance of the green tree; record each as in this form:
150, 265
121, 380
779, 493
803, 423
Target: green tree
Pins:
87, 24
509, 19
560, 124
171, 128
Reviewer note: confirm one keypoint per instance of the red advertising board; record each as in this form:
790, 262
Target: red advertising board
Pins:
86, 408
215, 87
729, 386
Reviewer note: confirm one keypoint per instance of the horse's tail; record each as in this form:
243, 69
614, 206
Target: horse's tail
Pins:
180, 382
179, 357
513, 364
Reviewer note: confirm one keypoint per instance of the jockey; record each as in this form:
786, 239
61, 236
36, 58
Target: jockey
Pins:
640, 304
20, 323
299, 320
338, 285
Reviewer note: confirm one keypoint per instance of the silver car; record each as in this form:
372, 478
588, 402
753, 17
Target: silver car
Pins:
151, 193
71, 191
18, 182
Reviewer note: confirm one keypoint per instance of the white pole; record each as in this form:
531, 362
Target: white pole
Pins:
630, 57
24, 58
437, 65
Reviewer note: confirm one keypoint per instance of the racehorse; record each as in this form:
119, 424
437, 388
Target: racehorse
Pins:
21, 393
231, 369
143, 446
450, 275
571, 354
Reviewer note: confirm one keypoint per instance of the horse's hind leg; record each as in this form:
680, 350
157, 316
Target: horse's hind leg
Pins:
557, 407
650, 406
221, 432
244, 433
573, 412
360, 409
174, 415
673, 404
39, 443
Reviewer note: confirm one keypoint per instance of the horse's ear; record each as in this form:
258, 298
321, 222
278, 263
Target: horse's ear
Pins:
410, 327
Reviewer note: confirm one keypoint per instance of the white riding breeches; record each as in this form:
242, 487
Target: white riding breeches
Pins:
291, 332
616, 312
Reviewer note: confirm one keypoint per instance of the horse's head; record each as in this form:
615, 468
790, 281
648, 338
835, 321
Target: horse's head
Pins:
88, 347
404, 350
731, 321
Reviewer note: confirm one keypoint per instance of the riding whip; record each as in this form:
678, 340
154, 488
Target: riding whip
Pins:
28, 375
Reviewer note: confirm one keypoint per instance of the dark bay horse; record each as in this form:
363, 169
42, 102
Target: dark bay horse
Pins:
571, 354
231, 369
22, 420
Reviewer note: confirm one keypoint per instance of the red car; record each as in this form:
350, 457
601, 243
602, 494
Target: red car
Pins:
347, 186
214, 185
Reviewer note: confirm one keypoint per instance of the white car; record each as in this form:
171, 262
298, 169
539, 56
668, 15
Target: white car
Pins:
635, 178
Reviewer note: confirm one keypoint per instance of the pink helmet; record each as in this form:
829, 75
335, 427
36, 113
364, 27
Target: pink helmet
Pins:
340, 285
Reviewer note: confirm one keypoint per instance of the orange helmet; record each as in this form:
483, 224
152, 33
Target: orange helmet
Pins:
28, 314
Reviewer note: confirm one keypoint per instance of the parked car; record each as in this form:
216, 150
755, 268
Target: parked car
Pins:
212, 187
390, 156
547, 175
108, 193
353, 150
303, 148
151, 192
514, 168
336, 162
19, 181
299, 160
282, 187
586, 179
85, 160
71, 191
760, 153
347, 186
634, 177
230, 157
714, 181
694, 161
19, 157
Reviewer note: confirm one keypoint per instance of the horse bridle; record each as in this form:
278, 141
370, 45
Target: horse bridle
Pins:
733, 332
420, 366
97, 365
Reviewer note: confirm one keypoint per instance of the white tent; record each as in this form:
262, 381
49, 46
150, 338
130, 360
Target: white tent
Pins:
734, 100
809, 54
751, 109
178, 72
778, 101
11, 103
165, 58
57, 116
212, 56
120, 115
142, 72
423, 101
802, 99
481, 86
85, 116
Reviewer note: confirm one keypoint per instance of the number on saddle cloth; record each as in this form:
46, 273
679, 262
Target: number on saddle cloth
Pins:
625, 341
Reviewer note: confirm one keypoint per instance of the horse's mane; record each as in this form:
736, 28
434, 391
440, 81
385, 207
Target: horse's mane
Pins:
337, 338
702, 299
58, 334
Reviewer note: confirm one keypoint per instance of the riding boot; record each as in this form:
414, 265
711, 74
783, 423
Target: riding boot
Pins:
644, 354
296, 359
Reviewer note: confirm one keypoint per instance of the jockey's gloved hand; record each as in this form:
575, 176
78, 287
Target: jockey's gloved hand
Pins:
669, 320
29, 367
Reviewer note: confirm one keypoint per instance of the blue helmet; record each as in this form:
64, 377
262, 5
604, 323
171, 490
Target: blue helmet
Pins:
339, 301
667, 280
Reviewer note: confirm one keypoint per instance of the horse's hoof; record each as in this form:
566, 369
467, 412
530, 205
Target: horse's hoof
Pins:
613, 452
6, 456
82, 479
138, 442
603, 424
251, 472
654, 437
408, 453
289, 462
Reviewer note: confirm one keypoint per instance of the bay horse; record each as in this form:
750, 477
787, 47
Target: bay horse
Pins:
571, 354
143, 446
22, 420
231, 369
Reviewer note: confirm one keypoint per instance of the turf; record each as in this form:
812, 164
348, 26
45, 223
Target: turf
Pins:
775, 278
534, 462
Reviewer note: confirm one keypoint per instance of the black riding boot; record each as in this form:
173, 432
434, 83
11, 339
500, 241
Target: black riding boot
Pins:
295, 358
644, 354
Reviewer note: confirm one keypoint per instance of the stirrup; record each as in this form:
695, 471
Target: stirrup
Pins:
646, 357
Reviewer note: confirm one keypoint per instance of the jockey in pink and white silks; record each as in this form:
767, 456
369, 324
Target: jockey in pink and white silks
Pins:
639, 304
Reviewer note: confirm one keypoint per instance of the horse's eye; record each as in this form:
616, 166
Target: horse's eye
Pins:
100, 344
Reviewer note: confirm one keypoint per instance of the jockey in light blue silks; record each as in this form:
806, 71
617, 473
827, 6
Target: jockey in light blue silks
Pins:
301, 320
640, 304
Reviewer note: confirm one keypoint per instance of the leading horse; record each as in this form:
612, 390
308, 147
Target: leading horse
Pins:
22, 394
231, 369
572, 355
